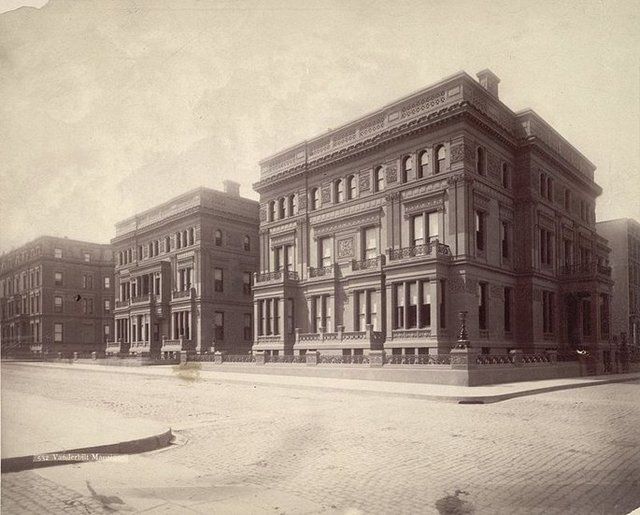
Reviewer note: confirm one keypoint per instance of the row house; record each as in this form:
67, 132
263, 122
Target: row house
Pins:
56, 295
377, 234
184, 274
623, 234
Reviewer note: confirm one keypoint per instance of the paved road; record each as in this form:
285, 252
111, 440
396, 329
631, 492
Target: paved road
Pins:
572, 451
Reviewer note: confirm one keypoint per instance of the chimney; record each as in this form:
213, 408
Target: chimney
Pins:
489, 81
231, 187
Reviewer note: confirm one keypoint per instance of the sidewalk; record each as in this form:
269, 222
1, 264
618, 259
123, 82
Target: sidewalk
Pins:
33, 426
432, 392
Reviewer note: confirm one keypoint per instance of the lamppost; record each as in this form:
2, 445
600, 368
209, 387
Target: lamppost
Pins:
463, 338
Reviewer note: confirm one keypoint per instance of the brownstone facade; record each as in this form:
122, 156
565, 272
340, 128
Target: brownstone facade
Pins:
56, 295
375, 235
183, 275
624, 238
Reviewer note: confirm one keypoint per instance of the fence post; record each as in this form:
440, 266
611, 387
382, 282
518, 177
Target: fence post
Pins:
516, 357
218, 358
75, 356
312, 358
94, 355
376, 358
183, 356
259, 357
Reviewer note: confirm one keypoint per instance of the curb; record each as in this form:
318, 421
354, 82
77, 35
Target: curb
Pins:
145, 444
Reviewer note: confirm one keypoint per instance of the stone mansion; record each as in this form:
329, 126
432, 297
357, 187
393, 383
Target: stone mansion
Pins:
377, 234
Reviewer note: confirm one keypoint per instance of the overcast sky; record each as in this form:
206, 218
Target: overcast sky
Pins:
108, 108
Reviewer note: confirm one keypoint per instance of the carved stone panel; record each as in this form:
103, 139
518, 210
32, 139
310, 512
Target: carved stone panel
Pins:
263, 214
457, 153
326, 194
302, 200
364, 181
391, 173
345, 248
493, 165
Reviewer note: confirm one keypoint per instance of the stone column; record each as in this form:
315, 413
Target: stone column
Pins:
256, 320
434, 290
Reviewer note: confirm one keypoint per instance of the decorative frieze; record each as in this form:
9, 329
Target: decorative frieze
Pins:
341, 225
325, 194
263, 213
284, 228
480, 201
424, 189
360, 208
428, 204
391, 173
506, 213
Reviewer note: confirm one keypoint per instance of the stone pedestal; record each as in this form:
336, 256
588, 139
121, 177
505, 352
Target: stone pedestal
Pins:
217, 358
376, 358
260, 357
183, 356
312, 358
463, 357
94, 355
75, 356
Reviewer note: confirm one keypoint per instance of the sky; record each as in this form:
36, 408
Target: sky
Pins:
108, 108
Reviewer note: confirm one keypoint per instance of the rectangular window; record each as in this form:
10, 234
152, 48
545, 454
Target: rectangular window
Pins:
432, 226
57, 333
218, 323
107, 283
482, 306
412, 306
425, 305
288, 257
373, 309
57, 253
261, 308
442, 311
247, 329
546, 247
276, 316
107, 305
505, 240
361, 298
370, 242
87, 257
246, 283
325, 245
548, 308
398, 322
480, 230
507, 310
277, 258
417, 230
57, 304
218, 280
57, 278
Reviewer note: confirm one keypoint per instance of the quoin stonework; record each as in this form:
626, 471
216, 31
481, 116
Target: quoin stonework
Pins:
377, 234
183, 275
624, 238
56, 296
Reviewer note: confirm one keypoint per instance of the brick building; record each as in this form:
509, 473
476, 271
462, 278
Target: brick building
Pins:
183, 274
376, 234
56, 295
624, 237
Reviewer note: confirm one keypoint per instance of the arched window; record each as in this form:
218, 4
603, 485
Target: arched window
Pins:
178, 240
506, 179
292, 205
480, 161
424, 164
441, 157
378, 177
339, 191
543, 185
351, 187
247, 243
272, 210
156, 247
314, 198
184, 238
550, 188
167, 243
217, 238
407, 169
192, 236
281, 212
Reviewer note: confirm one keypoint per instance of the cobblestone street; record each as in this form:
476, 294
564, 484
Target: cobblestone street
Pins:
572, 451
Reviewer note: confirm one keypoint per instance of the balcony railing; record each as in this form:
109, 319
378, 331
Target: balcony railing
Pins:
411, 333
142, 299
431, 249
182, 294
113, 347
323, 271
122, 303
277, 275
368, 264
590, 269
340, 338
177, 345
140, 346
